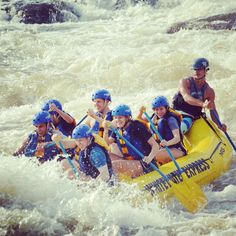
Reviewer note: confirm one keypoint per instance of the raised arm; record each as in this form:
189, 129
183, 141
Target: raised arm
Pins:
140, 116
64, 115
20, 150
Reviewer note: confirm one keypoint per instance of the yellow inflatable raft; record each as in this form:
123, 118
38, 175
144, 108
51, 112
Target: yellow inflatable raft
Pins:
209, 155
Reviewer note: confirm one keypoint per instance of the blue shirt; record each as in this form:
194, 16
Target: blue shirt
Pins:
173, 123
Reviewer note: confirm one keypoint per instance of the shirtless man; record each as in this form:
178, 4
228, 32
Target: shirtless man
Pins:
194, 93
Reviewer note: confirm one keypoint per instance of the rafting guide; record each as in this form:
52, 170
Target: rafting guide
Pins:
195, 94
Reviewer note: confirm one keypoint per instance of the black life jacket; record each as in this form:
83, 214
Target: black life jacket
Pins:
180, 104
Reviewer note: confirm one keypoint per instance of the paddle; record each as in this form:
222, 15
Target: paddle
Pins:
191, 196
68, 159
181, 191
220, 124
82, 120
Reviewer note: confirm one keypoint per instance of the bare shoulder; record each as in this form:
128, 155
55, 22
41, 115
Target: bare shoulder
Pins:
184, 85
210, 93
184, 81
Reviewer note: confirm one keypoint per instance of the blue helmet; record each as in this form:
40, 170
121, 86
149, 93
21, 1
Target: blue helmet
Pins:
81, 131
201, 63
41, 117
160, 101
46, 106
121, 110
102, 94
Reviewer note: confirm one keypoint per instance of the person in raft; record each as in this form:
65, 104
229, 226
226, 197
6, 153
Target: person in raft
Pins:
39, 143
127, 161
167, 122
102, 100
90, 155
61, 120
194, 94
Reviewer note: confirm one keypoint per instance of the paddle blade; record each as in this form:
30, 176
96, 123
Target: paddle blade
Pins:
190, 195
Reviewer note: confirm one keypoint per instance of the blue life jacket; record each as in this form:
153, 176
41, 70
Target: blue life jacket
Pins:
49, 152
97, 127
65, 127
180, 104
127, 133
165, 131
86, 165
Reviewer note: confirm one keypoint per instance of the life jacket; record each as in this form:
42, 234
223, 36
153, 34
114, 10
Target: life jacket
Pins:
146, 123
165, 131
65, 127
86, 165
127, 133
76, 153
155, 120
48, 152
124, 149
97, 127
180, 104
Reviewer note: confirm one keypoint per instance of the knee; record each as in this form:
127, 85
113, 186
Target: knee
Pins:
65, 164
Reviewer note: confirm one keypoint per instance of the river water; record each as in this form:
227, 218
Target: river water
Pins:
129, 53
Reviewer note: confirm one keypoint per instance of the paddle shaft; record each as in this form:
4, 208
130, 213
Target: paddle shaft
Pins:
68, 159
226, 134
167, 149
138, 152
82, 120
